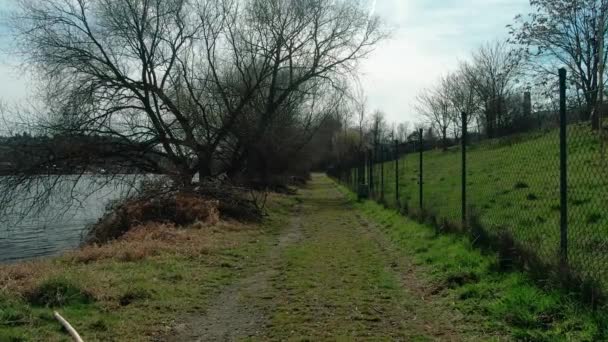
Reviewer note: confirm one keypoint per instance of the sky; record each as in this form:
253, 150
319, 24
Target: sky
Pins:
429, 38
14, 87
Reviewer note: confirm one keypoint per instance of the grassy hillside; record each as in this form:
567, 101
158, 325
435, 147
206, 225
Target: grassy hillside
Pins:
513, 186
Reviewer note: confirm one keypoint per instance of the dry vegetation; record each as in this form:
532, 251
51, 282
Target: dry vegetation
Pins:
137, 284
176, 209
142, 242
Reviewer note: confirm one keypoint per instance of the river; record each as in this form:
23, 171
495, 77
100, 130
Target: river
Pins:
58, 227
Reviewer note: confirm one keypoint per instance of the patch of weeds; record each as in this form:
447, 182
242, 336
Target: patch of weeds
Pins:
133, 295
521, 185
99, 325
526, 307
11, 336
172, 277
58, 292
482, 290
46, 316
461, 279
12, 314
532, 197
422, 249
594, 218
579, 202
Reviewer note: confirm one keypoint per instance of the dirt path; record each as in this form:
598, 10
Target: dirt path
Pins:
331, 275
238, 312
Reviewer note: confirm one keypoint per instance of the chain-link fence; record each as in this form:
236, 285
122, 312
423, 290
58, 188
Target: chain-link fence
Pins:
540, 197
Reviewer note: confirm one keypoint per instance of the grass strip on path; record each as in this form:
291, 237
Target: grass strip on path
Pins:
471, 283
345, 281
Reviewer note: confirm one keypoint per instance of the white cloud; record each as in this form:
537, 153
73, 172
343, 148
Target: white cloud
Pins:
13, 83
432, 36
13, 87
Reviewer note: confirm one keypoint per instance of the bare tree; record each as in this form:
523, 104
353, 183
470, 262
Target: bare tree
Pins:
570, 33
378, 129
191, 86
437, 110
403, 130
462, 97
493, 74
360, 108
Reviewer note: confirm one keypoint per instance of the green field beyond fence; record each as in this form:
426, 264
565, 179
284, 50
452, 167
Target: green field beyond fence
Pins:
513, 190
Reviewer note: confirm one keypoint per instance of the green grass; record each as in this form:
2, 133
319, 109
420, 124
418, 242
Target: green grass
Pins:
122, 300
357, 271
342, 282
490, 299
111, 318
142, 297
513, 187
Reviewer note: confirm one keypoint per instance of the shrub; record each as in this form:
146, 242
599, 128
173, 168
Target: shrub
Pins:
180, 209
57, 292
12, 314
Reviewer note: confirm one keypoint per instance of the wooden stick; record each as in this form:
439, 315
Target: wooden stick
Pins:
68, 327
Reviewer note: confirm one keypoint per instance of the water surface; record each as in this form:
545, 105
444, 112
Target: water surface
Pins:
61, 226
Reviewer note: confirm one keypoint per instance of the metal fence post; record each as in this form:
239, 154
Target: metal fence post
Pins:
397, 173
360, 174
370, 173
362, 166
382, 157
464, 170
563, 149
421, 180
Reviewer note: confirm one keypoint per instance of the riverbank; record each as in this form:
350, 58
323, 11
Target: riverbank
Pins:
135, 288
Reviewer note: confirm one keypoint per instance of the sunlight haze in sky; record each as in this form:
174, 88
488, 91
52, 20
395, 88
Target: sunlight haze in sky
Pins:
429, 38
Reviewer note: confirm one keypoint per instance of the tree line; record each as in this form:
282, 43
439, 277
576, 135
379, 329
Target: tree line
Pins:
506, 86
